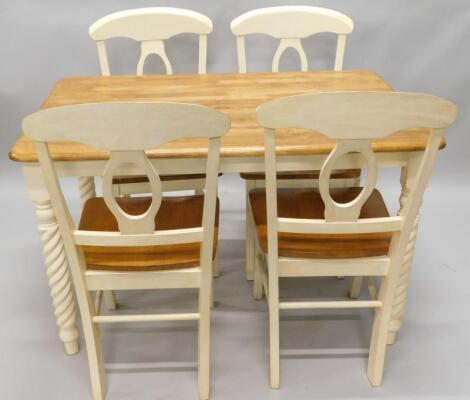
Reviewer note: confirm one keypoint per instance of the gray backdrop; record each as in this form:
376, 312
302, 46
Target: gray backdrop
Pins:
416, 45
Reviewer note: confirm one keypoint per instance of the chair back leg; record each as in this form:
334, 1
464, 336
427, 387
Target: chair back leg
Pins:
356, 287
93, 346
378, 342
274, 328
205, 301
110, 299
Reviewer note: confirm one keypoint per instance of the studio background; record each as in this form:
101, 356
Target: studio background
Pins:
415, 45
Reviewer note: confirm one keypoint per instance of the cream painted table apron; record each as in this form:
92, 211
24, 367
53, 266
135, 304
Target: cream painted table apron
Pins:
242, 150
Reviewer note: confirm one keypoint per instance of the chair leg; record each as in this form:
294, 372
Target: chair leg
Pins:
110, 299
257, 281
273, 281
212, 294
371, 287
356, 286
215, 265
378, 343
274, 342
250, 253
94, 351
204, 339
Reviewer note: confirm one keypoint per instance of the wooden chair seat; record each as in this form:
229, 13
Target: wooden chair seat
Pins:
175, 213
307, 203
122, 180
337, 174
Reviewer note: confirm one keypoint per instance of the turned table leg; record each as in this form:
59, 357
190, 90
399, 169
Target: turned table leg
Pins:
86, 185
57, 268
401, 292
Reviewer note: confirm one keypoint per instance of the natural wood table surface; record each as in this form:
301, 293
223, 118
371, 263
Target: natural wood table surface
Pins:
237, 95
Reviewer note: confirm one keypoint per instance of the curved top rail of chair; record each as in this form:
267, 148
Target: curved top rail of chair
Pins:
152, 23
125, 126
293, 22
358, 115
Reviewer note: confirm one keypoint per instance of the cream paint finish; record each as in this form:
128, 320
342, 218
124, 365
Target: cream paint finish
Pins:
411, 57
151, 26
353, 119
241, 150
290, 24
125, 129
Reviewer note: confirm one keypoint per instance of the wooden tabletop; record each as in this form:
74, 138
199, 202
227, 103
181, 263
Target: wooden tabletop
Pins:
237, 95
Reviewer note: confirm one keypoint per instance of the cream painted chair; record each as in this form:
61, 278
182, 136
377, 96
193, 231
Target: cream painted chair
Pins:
290, 24
151, 27
138, 242
349, 231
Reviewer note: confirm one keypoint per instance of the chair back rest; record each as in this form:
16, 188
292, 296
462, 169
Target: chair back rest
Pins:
290, 24
126, 130
151, 26
353, 119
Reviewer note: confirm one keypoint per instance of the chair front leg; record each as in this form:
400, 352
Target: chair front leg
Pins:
378, 343
356, 286
215, 265
205, 300
110, 299
274, 346
257, 280
274, 350
383, 314
93, 345
249, 234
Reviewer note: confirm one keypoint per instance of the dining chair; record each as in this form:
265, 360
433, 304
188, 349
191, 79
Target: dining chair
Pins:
140, 242
151, 27
290, 24
341, 231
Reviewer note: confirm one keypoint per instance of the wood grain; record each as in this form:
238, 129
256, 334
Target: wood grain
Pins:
174, 213
302, 203
237, 95
337, 174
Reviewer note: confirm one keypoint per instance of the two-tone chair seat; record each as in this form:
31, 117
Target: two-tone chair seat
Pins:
180, 212
308, 204
122, 180
338, 174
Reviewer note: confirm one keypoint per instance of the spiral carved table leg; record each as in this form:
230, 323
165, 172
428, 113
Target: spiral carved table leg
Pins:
401, 293
58, 275
86, 185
